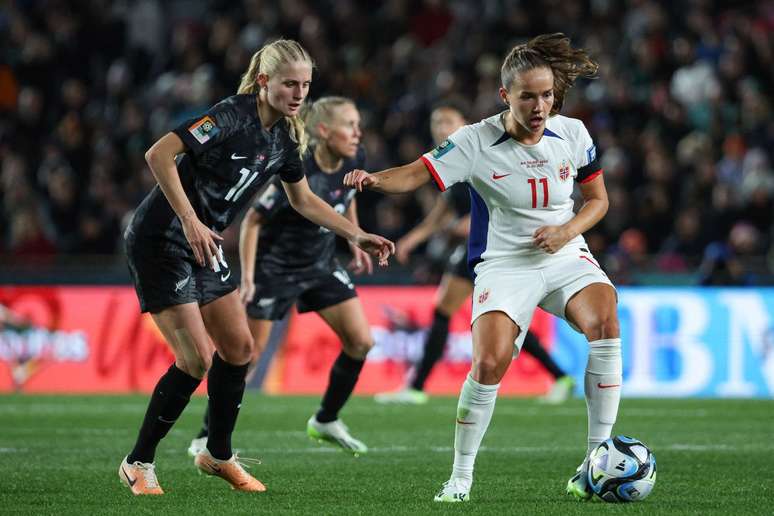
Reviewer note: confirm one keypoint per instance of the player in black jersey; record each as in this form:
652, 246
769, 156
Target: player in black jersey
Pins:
452, 210
178, 267
287, 259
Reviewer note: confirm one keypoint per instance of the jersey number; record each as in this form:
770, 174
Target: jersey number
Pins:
533, 183
238, 189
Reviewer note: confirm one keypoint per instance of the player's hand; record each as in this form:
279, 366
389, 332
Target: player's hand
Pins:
360, 180
361, 261
551, 238
201, 239
375, 245
404, 247
246, 291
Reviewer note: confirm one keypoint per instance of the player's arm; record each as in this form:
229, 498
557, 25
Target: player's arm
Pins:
305, 202
249, 232
161, 160
361, 261
439, 217
595, 204
393, 180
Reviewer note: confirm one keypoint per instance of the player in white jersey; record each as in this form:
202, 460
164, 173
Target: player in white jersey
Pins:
525, 242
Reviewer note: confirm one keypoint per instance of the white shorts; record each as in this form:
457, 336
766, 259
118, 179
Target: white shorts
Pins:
515, 289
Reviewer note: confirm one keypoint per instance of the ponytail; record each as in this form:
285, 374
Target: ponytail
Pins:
555, 52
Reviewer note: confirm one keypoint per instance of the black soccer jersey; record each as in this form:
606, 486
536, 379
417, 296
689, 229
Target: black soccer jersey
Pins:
458, 198
288, 243
229, 157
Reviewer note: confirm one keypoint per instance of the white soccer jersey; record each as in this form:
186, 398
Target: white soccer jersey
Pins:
515, 188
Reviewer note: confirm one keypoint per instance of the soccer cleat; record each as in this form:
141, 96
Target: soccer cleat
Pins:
578, 485
453, 490
231, 470
336, 433
560, 391
197, 446
407, 396
140, 478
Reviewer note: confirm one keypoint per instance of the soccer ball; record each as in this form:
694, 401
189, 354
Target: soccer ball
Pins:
622, 469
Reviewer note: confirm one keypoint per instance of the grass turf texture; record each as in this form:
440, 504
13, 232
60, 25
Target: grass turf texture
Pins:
60, 455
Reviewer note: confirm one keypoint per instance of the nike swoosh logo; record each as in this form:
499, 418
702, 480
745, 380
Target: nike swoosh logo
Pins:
461, 422
495, 176
225, 277
131, 481
234, 156
608, 386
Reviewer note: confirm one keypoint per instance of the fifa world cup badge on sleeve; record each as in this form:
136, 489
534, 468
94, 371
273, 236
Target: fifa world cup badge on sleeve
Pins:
442, 149
204, 129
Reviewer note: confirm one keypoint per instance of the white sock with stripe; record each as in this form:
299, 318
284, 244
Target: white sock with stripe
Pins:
602, 385
474, 412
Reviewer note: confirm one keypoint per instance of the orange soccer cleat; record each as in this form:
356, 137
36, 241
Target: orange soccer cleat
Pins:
231, 470
140, 478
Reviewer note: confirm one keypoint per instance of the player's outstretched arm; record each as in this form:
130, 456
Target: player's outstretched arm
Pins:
161, 160
438, 217
595, 204
305, 202
393, 180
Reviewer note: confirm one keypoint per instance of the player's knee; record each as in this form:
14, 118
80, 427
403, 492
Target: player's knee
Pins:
488, 369
358, 346
601, 326
239, 351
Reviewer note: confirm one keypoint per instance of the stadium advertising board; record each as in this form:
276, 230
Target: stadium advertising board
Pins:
678, 342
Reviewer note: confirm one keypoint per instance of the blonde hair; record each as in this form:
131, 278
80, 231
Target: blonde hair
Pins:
555, 52
268, 60
322, 111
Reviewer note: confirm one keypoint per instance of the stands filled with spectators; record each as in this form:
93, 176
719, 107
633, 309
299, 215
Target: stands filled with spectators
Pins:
681, 111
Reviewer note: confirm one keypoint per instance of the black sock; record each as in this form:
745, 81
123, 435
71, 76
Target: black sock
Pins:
169, 398
205, 430
225, 387
532, 346
341, 383
436, 341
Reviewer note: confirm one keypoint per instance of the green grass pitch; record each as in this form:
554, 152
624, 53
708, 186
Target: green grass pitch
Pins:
60, 454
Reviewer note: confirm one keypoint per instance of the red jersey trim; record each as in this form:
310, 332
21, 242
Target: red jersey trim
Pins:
592, 176
434, 174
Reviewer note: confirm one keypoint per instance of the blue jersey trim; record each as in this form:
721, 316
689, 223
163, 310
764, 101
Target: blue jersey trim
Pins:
549, 132
479, 230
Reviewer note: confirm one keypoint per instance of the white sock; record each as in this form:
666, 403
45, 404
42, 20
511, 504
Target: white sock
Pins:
474, 411
602, 385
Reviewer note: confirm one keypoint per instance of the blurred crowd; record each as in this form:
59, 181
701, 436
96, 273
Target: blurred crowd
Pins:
681, 111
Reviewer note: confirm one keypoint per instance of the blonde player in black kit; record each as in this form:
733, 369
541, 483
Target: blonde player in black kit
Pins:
178, 267
287, 259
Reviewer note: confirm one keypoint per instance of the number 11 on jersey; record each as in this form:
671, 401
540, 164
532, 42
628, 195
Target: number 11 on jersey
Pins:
238, 189
533, 183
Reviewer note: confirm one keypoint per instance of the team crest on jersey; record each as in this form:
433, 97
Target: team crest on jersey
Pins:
483, 296
442, 149
203, 130
564, 171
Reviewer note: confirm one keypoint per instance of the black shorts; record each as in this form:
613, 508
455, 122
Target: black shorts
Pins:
274, 298
163, 279
457, 264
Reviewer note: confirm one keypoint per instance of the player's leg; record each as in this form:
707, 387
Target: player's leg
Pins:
452, 292
184, 330
494, 334
563, 385
593, 311
347, 319
260, 329
226, 323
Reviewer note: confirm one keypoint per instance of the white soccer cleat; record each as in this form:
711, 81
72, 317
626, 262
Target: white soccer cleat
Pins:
336, 433
139, 477
578, 485
198, 445
560, 391
405, 396
453, 490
